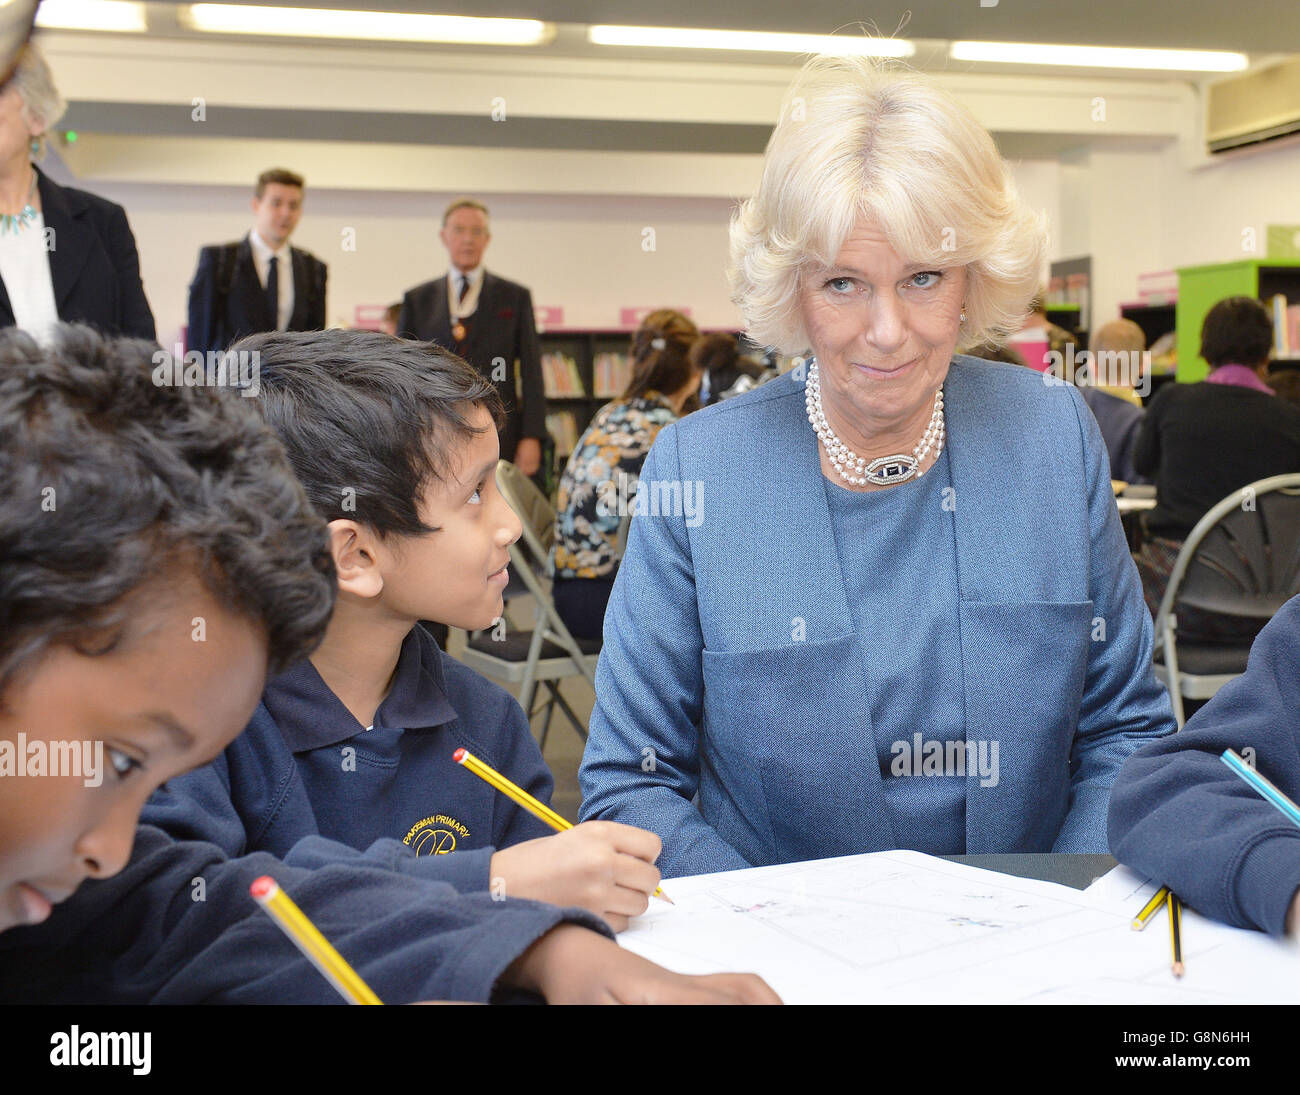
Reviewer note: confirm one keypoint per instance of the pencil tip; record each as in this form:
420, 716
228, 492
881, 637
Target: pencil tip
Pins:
1178, 969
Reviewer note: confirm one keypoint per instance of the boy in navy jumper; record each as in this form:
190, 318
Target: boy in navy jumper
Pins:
156, 555
1179, 815
396, 444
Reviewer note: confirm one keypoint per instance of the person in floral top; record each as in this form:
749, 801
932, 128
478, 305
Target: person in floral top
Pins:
599, 485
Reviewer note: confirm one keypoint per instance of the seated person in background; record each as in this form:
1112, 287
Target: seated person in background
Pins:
1182, 817
1117, 348
1040, 336
396, 444
721, 366
1200, 442
1284, 378
599, 484
994, 350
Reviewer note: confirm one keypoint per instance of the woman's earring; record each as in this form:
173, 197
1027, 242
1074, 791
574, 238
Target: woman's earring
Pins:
36, 146
963, 315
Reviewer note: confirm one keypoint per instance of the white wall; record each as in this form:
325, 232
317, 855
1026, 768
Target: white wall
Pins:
583, 253
1207, 205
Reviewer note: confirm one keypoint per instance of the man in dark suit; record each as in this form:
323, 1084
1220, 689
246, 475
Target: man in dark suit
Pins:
258, 283
488, 321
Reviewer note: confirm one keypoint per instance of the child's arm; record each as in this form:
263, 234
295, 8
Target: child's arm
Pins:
1179, 814
152, 934
178, 926
570, 965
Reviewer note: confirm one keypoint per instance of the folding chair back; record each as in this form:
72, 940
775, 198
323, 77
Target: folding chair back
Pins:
532, 507
1242, 560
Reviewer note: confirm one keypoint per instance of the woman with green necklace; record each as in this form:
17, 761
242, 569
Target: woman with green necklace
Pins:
65, 255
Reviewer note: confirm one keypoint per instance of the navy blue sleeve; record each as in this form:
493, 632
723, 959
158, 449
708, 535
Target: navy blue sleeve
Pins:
178, 926
135, 317
1179, 815
201, 334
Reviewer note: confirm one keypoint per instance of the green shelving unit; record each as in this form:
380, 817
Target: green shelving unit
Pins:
1201, 287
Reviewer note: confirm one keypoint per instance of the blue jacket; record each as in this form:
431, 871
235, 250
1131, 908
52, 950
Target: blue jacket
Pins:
731, 671
1179, 815
304, 768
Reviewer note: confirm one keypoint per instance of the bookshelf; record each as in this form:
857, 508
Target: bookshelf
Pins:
581, 371
1201, 287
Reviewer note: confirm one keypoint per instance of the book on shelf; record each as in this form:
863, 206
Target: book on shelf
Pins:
1286, 327
610, 374
560, 376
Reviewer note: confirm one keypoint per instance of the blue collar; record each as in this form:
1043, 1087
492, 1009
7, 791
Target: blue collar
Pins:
310, 716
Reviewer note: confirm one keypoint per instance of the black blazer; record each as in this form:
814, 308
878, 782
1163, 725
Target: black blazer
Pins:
94, 265
502, 326
221, 312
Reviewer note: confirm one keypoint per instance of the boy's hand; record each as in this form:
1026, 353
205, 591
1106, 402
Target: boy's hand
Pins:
601, 866
572, 965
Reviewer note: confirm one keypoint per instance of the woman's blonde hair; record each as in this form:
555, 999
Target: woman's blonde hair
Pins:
34, 82
859, 139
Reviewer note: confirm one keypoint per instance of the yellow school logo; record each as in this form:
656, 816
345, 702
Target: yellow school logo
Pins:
436, 835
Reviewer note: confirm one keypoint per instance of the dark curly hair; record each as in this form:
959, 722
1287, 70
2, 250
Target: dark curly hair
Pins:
368, 420
1237, 331
110, 481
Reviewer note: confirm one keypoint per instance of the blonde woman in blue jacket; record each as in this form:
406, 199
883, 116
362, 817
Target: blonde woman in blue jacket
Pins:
905, 615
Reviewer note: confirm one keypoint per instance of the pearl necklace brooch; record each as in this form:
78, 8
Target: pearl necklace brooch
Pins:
884, 471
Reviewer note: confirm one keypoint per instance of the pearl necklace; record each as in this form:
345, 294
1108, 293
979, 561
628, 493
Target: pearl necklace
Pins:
884, 471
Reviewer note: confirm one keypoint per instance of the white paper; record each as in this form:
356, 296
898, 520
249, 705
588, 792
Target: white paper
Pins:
902, 927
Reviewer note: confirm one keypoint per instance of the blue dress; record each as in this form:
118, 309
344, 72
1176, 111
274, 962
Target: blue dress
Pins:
897, 551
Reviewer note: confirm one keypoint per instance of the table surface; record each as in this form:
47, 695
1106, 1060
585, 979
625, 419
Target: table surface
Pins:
1076, 871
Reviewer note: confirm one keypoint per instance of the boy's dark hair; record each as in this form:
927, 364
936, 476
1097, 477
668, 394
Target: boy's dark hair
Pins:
660, 354
368, 420
109, 481
1237, 331
280, 175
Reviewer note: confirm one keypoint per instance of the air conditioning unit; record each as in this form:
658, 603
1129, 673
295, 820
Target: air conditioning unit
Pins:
1251, 109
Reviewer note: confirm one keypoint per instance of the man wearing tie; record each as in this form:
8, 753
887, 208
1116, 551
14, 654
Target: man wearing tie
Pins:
258, 283
489, 322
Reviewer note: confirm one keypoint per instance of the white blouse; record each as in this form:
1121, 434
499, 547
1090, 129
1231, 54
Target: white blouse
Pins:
25, 270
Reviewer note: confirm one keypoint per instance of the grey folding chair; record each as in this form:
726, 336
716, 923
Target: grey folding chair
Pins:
1242, 559
547, 652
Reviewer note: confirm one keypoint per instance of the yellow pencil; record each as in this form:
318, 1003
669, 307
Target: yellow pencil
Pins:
1175, 932
512, 790
294, 923
1149, 909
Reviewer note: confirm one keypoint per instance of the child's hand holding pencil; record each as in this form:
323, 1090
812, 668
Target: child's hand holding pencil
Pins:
601, 866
